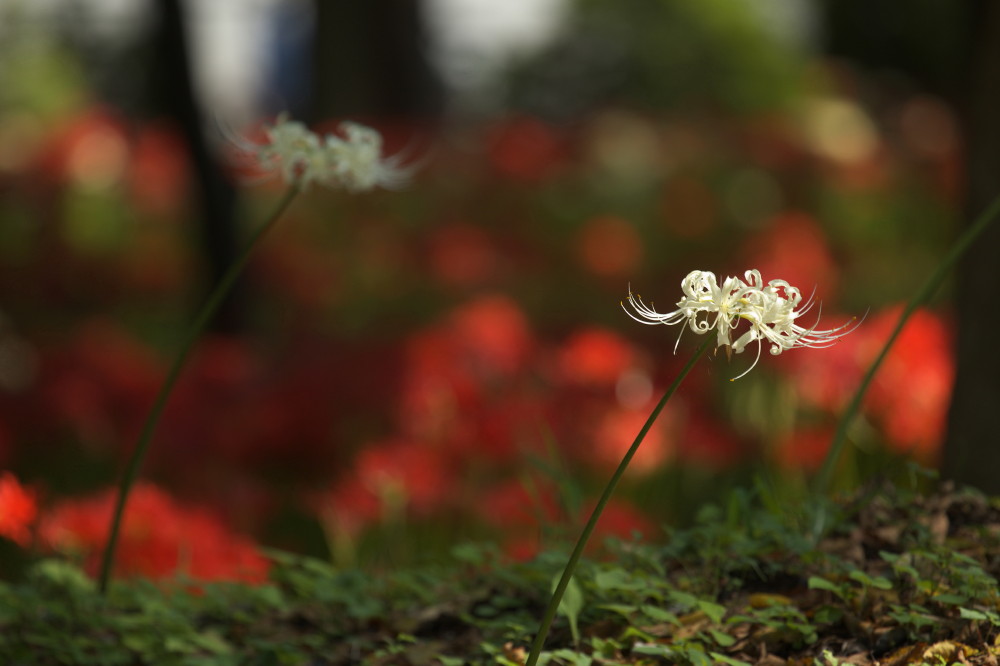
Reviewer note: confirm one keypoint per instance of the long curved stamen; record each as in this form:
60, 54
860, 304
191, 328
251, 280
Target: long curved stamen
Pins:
821, 339
647, 315
678, 342
752, 366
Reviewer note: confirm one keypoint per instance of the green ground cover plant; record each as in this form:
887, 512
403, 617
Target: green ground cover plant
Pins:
904, 574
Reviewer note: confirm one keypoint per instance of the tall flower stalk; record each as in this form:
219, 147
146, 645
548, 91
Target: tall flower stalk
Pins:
353, 162
205, 315
595, 515
770, 310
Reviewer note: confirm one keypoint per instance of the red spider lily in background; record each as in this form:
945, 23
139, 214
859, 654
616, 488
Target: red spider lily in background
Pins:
254, 420
921, 360
595, 357
100, 384
616, 429
408, 472
602, 396
492, 335
454, 370
395, 424
527, 518
526, 149
216, 404
389, 481
18, 510
913, 418
160, 538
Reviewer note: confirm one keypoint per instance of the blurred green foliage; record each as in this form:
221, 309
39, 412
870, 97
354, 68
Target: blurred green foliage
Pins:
662, 55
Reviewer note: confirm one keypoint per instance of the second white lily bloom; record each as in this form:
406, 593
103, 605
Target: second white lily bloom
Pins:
352, 160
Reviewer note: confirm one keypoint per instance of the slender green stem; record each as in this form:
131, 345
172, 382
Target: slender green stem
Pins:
825, 475
574, 558
205, 315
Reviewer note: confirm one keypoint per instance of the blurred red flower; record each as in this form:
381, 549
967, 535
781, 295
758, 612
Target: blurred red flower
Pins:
18, 509
412, 471
492, 336
910, 393
464, 386
389, 480
101, 384
617, 429
225, 374
594, 357
437, 390
160, 538
526, 149
480, 345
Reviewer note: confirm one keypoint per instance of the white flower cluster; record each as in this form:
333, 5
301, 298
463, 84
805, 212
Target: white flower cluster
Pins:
770, 310
302, 157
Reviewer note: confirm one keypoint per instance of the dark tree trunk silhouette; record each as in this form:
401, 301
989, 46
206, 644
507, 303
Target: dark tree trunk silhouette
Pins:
951, 49
972, 447
171, 93
369, 60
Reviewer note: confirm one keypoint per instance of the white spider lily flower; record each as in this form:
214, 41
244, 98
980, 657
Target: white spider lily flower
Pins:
302, 157
357, 161
704, 307
770, 310
773, 321
289, 148
702, 295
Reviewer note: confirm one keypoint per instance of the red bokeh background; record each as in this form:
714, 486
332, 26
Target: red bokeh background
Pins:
451, 362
